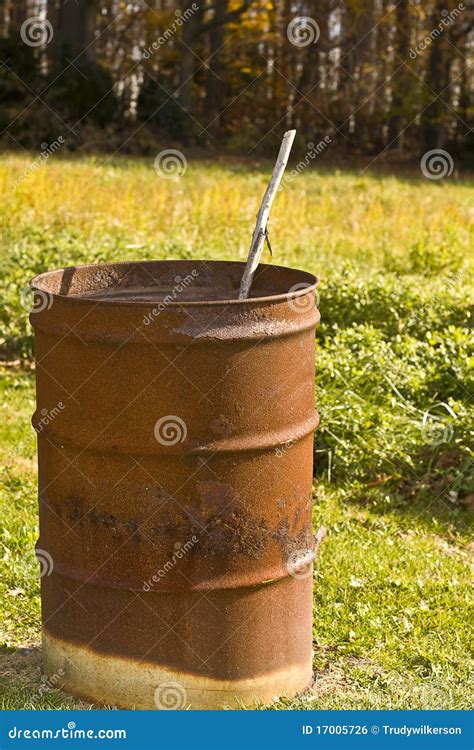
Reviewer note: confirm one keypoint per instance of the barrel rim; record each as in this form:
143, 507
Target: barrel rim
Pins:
39, 283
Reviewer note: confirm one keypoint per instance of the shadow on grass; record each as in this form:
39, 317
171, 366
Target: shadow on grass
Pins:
355, 167
415, 507
22, 685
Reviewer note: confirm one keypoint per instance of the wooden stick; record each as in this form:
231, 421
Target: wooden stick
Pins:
259, 233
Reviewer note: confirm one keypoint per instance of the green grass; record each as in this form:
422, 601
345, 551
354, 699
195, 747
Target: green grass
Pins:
394, 484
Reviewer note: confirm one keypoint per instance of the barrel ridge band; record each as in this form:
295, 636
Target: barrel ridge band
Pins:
239, 444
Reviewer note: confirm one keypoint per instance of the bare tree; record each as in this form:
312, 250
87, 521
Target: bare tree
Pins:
75, 34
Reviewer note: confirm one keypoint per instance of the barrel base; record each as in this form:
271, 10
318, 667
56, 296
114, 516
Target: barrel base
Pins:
109, 680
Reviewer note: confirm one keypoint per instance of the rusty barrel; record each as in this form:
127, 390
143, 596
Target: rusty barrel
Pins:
175, 427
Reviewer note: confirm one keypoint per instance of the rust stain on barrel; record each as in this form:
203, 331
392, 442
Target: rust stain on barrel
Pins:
175, 483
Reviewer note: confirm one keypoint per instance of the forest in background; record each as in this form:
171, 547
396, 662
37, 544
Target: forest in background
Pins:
374, 76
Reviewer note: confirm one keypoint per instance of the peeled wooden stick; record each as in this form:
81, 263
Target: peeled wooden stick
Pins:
258, 237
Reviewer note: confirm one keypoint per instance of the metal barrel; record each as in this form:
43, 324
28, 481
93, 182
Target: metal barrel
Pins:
175, 428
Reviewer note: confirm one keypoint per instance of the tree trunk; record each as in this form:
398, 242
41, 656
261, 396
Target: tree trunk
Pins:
465, 103
189, 35
214, 84
75, 37
18, 11
3, 18
400, 81
346, 88
433, 129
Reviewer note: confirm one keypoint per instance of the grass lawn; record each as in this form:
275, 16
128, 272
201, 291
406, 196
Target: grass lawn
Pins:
394, 484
